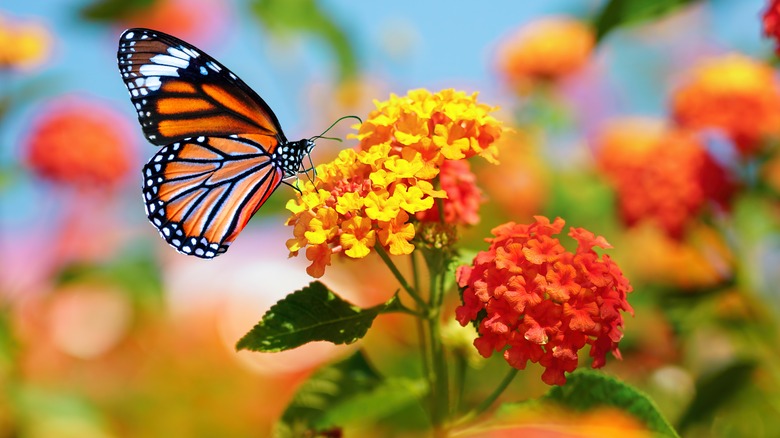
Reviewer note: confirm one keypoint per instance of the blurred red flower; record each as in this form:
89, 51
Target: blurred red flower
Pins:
660, 175
528, 293
735, 94
80, 142
771, 22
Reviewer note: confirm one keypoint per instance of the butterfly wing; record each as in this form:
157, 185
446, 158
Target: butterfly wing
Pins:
201, 192
181, 92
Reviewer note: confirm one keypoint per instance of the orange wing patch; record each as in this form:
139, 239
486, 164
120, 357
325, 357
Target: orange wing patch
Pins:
179, 105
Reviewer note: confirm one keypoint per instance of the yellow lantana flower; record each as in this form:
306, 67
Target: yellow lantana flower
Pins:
368, 197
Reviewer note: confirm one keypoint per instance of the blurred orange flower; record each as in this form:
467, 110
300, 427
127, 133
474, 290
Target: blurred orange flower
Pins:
23, 45
535, 301
519, 183
80, 142
660, 175
547, 49
735, 94
704, 254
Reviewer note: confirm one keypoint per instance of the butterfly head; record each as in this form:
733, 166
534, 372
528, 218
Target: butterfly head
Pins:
290, 155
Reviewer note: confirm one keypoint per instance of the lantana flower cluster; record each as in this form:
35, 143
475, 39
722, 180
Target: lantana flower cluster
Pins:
538, 302
660, 174
371, 196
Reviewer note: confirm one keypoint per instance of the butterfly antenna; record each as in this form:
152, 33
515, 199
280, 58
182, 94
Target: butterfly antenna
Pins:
334, 124
311, 166
295, 186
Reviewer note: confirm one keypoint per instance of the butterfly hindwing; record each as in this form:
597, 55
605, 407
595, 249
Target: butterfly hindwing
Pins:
181, 92
200, 192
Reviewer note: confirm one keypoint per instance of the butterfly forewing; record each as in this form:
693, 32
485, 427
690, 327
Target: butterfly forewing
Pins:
201, 192
223, 153
181, 92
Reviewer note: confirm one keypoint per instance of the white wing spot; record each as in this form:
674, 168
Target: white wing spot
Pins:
153, 83
190, 52
168, 60
129, 35
203, 70
160, 70
178, 53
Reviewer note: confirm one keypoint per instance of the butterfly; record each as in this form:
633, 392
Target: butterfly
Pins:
223, 150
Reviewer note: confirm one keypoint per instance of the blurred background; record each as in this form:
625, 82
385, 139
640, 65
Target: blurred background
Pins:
658, 133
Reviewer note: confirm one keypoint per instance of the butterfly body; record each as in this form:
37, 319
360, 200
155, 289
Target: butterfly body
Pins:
223, 150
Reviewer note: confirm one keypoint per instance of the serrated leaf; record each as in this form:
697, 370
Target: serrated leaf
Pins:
714, 390
313, 313
348, 392
622, 12
585, 390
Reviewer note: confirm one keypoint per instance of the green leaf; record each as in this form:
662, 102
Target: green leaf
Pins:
306, 16
347, 392
586, 390
714, 390
618, 13
109, 10
313, 313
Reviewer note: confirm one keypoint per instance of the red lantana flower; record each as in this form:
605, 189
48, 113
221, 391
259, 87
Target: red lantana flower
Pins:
461, 207
538, 302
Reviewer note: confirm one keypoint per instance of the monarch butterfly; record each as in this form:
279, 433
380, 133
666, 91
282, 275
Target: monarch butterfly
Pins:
223, 152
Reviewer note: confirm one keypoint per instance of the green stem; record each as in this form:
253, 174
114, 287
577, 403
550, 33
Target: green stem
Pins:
482, 407
422, 338
398, 276
439, 382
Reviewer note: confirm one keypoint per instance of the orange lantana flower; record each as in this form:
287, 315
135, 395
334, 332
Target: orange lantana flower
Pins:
547, 49
734, 94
